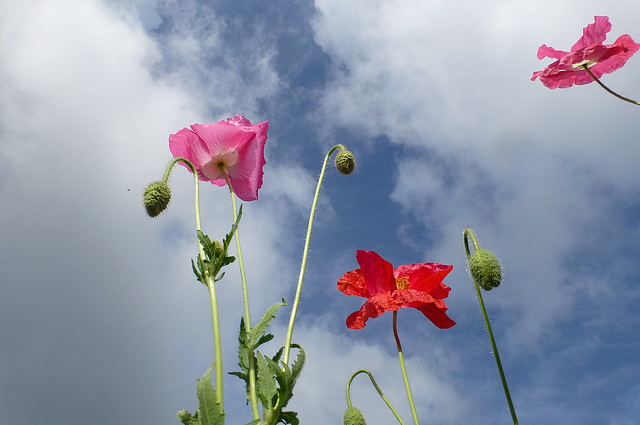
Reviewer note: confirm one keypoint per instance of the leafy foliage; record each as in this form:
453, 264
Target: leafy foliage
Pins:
209, 411
249, 341
215, 254
274, 379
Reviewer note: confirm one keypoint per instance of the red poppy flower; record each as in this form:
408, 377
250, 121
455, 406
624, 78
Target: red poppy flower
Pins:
416, 285
589, 51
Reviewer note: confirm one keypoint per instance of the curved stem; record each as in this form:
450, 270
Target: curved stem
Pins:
597, 80
375, 385
469, 233
210, 282
243, 277
245, 296
407, 388
305, 254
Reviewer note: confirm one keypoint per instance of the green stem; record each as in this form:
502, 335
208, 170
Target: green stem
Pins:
407, 388
210, 282
626, 99
373, 381
245, 296
305, 254
469, 233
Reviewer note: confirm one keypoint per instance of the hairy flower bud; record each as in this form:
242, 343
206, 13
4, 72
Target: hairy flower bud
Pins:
485, 269
353, 416
156, 198
345, 161
217, 248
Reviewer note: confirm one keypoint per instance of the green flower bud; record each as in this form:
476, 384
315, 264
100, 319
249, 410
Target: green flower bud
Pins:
185, 417
345, 161
353, 416
217, 248
485, 269
156, 198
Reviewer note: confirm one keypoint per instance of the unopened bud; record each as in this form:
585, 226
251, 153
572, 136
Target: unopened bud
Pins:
217, 248
156, 198
485, 269
353, 416
345, 161
185, 417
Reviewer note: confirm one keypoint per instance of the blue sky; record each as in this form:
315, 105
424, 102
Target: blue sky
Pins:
101, 320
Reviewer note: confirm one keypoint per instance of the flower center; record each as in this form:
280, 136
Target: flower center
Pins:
226, 159
402, 283
588, 63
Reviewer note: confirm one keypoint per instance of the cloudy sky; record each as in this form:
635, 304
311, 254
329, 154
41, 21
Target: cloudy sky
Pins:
101, 318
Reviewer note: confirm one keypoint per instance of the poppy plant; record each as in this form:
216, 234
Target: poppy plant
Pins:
234, 146
387, 289
588, 52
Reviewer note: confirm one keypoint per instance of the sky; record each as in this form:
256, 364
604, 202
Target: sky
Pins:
101, 318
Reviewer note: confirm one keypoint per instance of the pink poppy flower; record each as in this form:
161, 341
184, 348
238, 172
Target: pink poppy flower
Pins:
416, 285
600, 58
235, 143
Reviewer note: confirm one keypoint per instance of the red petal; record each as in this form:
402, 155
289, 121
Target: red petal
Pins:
377, 272
352, 283
426, 277
436, 312
371, 309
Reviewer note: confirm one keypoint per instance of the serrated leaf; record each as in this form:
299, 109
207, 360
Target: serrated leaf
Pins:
197, 272
263, 339
289, 417
298, 364
256, 333
265, 383
209, 411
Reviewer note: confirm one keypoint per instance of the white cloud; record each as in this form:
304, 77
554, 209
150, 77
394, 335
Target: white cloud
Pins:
95, 291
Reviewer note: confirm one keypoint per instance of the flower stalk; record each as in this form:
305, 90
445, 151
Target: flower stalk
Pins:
407, 387
305, 254
245, 296
380, 393
601, 84
209, 281
468, 234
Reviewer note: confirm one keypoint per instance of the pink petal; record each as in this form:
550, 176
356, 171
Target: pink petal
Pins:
616, 55
593, 33
246, 176
221, 136
185, 143
545, 51
377, 272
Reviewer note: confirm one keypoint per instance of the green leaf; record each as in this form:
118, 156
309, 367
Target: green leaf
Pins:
298, 364
196, 271
255, 337
289, 418
210, 411
287, 377
266, 383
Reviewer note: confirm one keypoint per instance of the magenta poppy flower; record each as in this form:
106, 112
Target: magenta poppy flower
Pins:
416, 285
589, 51
235, 143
